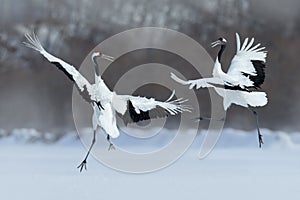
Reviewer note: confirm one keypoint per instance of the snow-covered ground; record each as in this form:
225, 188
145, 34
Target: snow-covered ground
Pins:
236, 169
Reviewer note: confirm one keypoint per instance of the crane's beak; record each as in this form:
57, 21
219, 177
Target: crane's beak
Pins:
216, 43
109, 58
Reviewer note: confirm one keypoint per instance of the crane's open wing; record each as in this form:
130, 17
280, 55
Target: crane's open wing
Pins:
81, 83
248, 65
199, 83
134, 108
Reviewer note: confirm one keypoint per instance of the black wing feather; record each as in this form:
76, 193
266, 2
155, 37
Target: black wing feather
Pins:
131, 116
260, 70
143, 115
58, 65
84, 93
259, 79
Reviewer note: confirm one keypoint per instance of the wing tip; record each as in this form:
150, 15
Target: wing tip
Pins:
177, 79
171, 96
33, 42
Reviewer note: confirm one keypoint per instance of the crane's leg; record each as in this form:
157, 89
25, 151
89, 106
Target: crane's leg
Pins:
111, 146
208, 119
260, 136
83, 163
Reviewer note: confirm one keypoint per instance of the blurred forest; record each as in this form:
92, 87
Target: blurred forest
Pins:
34, 94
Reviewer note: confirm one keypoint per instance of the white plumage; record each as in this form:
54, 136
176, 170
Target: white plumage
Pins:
107, 103
241, 98
244, 76
241, 69
242, 65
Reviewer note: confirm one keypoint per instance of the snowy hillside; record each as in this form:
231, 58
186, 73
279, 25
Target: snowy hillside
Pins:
236, 169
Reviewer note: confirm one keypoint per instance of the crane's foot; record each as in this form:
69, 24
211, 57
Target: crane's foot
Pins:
260, 140
82, 165
111, 147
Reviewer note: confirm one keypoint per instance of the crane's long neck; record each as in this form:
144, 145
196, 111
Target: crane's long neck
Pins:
97, 71
223, 46
217, 71
103, 93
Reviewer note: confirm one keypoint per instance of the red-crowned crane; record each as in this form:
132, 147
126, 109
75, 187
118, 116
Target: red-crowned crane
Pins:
107, 103
245, 75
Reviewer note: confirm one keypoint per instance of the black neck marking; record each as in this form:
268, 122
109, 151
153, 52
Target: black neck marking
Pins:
223, 46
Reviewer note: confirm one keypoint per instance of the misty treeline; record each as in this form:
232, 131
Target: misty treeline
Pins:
35, 94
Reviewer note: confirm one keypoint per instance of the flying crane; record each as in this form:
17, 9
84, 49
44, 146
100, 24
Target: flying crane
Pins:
244, 77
